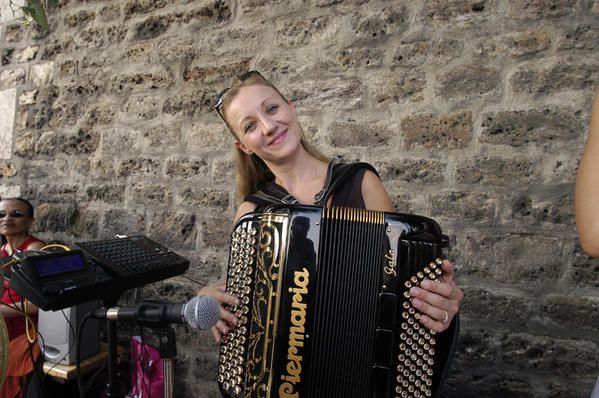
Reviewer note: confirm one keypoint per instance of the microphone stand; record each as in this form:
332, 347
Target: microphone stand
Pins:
168, 351
111, 386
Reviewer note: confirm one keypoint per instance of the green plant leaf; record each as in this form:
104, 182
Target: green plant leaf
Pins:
36, 11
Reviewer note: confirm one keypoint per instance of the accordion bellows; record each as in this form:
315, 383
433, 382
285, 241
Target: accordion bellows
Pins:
325, 308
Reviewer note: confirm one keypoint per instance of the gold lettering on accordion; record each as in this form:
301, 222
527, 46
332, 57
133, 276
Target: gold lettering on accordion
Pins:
297, 333
390, 267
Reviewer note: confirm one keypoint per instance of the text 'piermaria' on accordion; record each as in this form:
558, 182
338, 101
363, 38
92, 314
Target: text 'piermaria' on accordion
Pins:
325, 309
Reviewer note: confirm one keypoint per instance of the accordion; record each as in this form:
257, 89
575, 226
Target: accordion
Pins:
324, 305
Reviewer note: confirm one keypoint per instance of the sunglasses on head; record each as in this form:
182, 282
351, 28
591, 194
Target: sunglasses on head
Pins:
14, 213
218, 102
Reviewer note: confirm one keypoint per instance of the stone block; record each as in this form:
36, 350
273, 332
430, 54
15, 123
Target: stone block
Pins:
198, 71
28, 97
7, 55
489, 382
110, 12
65, 114
25, 145
294, 32
58, 193
541, 9
541, 126
407, 85
152, 27
378, 24
116, 33
119, 141
564, 357
450, 131
513, 257
497, 306
80, 142
461, 10
79, 19
7, 170
580, 37
82, 88
105, 193
562, 75
83, 223
41, 74
50, 217
174, 230
139, 107
26, 54
216, 230
193, 198
514, 44
12, 77
584, 270
53, 48
102, 114
468, 81
406, 202
465, 207
7, 116
123, 222
150, 195
14, 33
43, 170
160, 138
351, 133
187, 168
357, 57
139, 7
429, 52
578, 312
554, 205
138, 166
223, 171
207, 137
190, 102
496, 171
331, 93
141, 79
88, 39
416, 171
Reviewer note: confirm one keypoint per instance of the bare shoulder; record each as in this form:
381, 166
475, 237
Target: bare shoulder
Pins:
374, 193
243, 209
37, 245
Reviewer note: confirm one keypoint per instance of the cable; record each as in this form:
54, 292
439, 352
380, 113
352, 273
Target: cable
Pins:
52, 245
78, 354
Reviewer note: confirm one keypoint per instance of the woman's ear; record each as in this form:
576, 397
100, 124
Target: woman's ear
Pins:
243, 148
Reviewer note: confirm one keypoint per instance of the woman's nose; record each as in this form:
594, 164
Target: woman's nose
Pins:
270, 125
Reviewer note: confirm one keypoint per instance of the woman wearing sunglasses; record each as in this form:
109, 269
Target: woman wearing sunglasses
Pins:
274, 160
16, 218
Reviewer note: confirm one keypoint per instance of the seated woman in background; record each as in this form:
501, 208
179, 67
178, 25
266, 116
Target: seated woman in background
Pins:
587, 188
16, 218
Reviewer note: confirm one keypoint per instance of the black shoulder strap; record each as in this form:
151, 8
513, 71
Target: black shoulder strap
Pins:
271, 193
341, 174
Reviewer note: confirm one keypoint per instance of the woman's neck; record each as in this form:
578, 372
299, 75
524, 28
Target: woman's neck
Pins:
302, 176
14, 241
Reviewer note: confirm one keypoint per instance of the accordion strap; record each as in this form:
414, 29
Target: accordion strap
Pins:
337, 175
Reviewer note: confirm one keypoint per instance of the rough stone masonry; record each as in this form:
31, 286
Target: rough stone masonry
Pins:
473, 111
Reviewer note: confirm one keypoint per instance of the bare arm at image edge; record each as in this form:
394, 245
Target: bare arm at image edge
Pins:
587, 188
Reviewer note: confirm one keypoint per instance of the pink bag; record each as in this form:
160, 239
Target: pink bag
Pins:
147, 373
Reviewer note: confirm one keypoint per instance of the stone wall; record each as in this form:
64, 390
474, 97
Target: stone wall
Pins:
473, 111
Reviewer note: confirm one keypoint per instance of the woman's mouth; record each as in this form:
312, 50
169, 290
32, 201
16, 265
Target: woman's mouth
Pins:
278, 138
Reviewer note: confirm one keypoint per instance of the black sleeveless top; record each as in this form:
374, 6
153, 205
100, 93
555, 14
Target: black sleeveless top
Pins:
343, 183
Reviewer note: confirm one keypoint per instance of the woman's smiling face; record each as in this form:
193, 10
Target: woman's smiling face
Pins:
15, 219
264, 123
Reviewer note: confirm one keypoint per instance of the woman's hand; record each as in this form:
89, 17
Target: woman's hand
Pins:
227, 319
437, 302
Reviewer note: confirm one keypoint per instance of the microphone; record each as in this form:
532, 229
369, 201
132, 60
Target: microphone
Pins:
201, 312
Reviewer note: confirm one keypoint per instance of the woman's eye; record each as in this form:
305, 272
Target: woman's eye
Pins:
250, 126
272, 108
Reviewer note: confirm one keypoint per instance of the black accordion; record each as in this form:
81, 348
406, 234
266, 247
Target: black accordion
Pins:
325, 309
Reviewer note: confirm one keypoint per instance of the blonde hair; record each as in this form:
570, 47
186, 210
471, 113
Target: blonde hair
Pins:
251, 170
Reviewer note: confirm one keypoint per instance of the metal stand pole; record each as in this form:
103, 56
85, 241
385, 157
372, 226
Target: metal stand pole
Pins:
168, 351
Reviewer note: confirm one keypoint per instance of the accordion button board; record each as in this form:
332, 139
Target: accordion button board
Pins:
325, 308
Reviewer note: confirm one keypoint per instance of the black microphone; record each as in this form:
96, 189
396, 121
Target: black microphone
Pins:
201, 312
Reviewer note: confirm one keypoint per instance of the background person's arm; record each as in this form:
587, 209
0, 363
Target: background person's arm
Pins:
587, 188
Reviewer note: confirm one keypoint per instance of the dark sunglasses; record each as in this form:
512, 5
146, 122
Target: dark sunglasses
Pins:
14, 213
218, 102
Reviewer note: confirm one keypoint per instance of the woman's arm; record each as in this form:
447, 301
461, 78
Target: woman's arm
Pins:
227, 319
587, 188
438, 302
